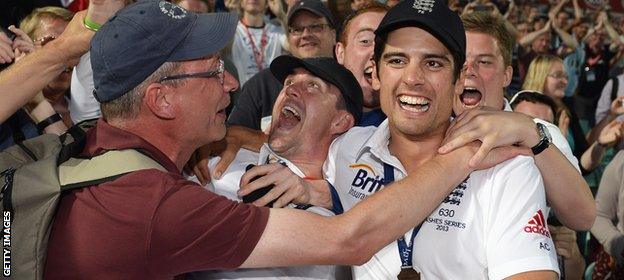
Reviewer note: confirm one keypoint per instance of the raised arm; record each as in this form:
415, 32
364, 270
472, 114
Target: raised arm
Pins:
555, 9
529, 38
24, 79
566, 190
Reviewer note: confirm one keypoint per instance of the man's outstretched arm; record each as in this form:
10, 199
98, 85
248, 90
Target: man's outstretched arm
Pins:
294, 237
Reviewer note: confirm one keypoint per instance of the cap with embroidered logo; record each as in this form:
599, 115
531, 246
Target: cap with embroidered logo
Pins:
137, 40
434, 16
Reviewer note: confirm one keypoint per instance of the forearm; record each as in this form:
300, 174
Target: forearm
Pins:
44, 110
529, 38
611, 31
249, 139
575, 266
578, 14
593, 156
608, 235
553, 12
594, 133
353, 237
24, 79
567, 39
566, 190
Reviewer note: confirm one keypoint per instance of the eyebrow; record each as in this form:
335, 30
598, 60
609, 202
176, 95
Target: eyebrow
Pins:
365, 29
390, 54
488, 55
438, 56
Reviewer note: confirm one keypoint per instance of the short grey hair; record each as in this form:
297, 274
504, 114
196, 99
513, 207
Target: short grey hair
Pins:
128, 105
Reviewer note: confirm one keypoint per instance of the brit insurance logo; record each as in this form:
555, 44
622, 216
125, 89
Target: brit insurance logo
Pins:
537, 224
365, 182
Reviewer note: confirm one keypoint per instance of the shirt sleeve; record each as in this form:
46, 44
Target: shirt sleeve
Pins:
517, 236
193, 229
607, 204
604, 103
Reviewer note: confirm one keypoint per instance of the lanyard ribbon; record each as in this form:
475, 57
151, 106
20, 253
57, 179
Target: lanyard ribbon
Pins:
257, 53
405, 249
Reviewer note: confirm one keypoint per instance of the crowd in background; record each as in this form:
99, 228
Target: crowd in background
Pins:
568, 69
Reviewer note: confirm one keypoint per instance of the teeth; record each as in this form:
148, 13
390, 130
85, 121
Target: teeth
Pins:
292, 111
413, 100
471, 89
368, 70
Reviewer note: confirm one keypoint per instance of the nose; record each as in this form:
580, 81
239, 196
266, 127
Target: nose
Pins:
306, 32
230, 84
294, 90
470, 68
413, 75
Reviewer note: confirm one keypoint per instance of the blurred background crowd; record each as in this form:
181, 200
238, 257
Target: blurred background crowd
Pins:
567, 57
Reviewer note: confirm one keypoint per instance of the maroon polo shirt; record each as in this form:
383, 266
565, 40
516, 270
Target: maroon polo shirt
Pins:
148, 224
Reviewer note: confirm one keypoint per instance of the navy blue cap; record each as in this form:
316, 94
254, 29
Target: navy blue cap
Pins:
329, 70
434, 16
136, 41
314, 6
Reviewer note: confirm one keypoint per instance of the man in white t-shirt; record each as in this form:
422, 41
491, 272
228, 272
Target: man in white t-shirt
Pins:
493, 224
321, 100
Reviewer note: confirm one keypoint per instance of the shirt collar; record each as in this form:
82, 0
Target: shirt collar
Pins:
105, 137
266, 153
377, 145
507, 106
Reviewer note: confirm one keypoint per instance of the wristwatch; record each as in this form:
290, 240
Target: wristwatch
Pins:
545, 139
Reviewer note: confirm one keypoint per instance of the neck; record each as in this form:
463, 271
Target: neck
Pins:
308, 158
412, 150
178, 152
253, 20
310, 168
368, 109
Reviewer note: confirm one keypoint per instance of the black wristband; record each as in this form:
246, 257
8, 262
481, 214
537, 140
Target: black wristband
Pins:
540, 147
48, 121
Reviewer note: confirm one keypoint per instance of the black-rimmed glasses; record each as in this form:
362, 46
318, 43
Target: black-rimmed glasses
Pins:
313, 28
219, 73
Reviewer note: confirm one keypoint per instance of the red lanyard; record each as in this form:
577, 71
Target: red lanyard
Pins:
258, 54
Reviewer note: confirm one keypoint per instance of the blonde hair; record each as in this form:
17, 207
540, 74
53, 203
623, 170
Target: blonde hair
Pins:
493, 25
31, 22
538, 72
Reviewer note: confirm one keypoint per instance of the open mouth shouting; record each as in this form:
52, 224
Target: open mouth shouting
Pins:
368, 74
290, 117
414, 104
471, 97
